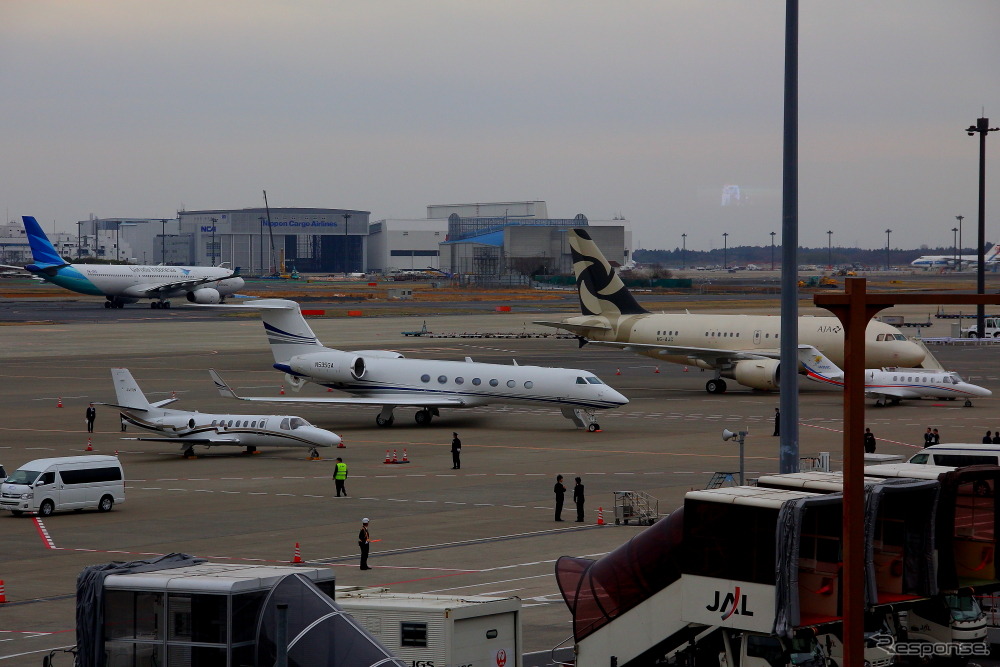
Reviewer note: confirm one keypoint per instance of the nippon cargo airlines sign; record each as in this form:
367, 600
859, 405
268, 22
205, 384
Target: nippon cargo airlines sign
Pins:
728, 603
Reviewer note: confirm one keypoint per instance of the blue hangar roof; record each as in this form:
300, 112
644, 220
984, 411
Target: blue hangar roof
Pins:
491, 238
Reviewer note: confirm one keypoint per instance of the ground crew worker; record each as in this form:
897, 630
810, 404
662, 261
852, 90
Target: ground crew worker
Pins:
560, 492
578, 499
935, 437
928, 437
869, 441
91, 416
456, 452
340, 476
777, 423
988, 438
364, 540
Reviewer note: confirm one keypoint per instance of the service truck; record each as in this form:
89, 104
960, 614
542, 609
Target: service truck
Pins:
991, 326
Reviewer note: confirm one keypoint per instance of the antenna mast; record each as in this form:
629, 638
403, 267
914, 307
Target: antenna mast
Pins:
270, 234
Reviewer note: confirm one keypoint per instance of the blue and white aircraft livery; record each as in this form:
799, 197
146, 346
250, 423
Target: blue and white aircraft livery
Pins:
991, 256
188, 429
121, 284
891, 385
386, 378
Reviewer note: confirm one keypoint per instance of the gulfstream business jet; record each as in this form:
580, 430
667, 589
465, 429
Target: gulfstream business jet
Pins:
745, 348
212, 430
387, 379
121, 284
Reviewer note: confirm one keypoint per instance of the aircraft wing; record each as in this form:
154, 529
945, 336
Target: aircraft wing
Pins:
712, 356
156, 290
193, 441
578, 329
406, 400
890, 392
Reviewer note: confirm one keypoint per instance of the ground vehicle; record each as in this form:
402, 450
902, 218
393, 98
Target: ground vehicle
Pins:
3, 474
958, 454
954, 618
43, 486
753, 649
990, 324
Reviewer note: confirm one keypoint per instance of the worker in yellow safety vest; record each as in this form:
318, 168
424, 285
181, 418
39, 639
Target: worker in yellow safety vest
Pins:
340, 476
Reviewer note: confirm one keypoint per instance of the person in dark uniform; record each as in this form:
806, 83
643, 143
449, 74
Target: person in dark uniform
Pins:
869, 441
777, 422
935, 438
928, 437
456, 452
988, 438
560, 492
578, 499
340, 476
91, 416
364, 540
996, 438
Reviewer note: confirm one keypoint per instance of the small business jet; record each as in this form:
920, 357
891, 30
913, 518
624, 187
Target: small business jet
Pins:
891, 385
744, 348
992, 256
197, 428
387, 379
121, 284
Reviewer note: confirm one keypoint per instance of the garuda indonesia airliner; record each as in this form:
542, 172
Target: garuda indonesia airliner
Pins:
121, 283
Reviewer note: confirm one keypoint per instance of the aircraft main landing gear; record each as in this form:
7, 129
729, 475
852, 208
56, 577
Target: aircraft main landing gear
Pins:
716, 386
423, 417
189, 452
385, 417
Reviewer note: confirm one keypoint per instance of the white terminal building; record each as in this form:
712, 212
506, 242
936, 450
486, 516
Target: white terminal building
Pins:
481, 242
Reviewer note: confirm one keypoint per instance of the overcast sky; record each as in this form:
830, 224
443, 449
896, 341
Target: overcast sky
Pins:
640, 108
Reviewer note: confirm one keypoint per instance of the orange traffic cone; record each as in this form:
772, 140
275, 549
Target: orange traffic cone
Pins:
116, 452
3, 593
657, 370
341, 445
90, 446
394, 460
685, 369
173, 394
298, 554
618, 372
59, 404
282, 392
600, 516
387, 460
329, 389
405, 460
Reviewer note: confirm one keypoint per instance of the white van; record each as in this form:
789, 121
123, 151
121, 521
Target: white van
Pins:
67, 483
958, 454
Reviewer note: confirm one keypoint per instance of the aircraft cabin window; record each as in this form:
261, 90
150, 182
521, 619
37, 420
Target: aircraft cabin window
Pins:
581, 381
494, 383
253, 424
476, 381
593, 380
511, 384
529, 384
284, 424
213, 423
442, 379
459, 380
230, 423
425, 378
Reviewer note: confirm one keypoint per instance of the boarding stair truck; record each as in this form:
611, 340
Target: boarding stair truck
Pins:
712, 568
438, 630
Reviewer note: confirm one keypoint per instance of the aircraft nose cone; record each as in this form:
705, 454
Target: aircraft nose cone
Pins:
909, 355
616, 397
332, 439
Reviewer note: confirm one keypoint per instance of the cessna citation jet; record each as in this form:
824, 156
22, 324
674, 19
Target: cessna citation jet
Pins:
386, 378
121, 284
893, 384
198, 428
744, 348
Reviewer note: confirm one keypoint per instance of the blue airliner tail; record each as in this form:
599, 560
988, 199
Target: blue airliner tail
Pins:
42, 250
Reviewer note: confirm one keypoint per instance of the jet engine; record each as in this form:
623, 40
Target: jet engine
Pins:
204, 295
329, 366
756, 373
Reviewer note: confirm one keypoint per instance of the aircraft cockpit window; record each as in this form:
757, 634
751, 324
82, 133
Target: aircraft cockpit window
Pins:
899, 336
580, 380
511, 384
529, 384
284, 424
494, 382
593, 380
298, 422
880, 337
425, 378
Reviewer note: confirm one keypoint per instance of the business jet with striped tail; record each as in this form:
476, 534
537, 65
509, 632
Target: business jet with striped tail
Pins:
127, 283
213, 430
387, 379
891, 385
744, 348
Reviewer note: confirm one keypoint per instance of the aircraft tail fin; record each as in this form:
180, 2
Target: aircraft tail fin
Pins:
42, 250
221, 385
817, 365
129, 394
288, 333
601, 291
992, 254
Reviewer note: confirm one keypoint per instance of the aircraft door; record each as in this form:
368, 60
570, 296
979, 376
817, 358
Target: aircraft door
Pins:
756, 337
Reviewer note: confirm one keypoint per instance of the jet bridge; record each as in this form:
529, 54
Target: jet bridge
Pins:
747, 558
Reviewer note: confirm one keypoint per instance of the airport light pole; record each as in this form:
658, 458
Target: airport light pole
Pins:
78, 248
772, 251
829, 249
163, 240
725, 247
347, 217
954, 242
982, 127
887, 233
960, 218
214, 220
684, 243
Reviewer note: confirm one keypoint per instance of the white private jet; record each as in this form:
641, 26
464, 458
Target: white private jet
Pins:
120, 283
212, 430
386, 378
891, 385
745, 348
992, 256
